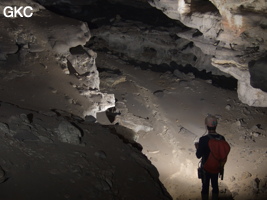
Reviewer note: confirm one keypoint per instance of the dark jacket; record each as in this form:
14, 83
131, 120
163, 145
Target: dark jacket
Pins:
203, 150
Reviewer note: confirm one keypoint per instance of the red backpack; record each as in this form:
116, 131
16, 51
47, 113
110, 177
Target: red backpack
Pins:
219, 150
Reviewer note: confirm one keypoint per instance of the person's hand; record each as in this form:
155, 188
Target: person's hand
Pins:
196, 145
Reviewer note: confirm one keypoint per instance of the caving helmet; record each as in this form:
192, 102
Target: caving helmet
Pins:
211, 121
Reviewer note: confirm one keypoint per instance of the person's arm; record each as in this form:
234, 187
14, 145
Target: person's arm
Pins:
199, 152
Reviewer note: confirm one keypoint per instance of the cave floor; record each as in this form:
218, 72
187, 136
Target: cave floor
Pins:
175, 106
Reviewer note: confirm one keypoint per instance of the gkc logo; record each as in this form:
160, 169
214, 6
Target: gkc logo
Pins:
15, 11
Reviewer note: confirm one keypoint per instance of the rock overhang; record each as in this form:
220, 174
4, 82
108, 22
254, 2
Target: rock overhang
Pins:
235, 32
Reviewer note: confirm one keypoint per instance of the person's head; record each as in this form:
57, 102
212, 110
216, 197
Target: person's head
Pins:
211, 122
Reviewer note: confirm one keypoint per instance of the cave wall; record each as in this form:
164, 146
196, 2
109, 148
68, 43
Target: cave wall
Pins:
229, 34
45, 68
155, 46
46, 40
233, 32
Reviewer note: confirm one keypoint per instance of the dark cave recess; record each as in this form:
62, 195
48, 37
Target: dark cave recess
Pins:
258, 73
101, 12
224, 82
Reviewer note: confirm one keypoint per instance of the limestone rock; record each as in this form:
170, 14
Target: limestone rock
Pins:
24, 45
82, 62
61, 43
69, 133
246, 93
25, 134
131, 121
18, 124
231, 23
99, 102
156, 45
234, 33
98, 170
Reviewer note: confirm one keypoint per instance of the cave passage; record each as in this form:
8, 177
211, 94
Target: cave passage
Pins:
102, 12
157, 109
221, 81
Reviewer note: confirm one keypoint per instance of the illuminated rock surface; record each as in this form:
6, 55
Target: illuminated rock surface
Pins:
38, 52
234, 33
